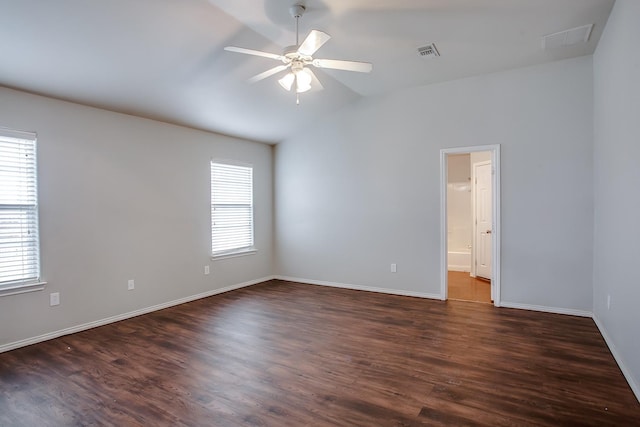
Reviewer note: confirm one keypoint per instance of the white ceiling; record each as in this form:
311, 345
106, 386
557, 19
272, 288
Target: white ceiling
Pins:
164, 59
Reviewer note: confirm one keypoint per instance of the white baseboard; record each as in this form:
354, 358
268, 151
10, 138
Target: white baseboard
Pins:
556, 310
360, 287
616, 355
119, 317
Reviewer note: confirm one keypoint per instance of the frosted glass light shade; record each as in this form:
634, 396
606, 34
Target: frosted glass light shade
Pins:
287, 81
303, 80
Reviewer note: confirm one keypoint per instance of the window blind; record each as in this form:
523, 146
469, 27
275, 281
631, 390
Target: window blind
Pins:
19, 244
231, 208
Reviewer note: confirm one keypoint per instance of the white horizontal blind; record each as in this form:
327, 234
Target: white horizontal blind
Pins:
231, 208
19, 244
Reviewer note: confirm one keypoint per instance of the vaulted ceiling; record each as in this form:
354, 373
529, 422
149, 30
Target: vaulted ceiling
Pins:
164, 59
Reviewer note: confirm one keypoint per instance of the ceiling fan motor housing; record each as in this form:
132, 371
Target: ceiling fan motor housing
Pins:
291, 54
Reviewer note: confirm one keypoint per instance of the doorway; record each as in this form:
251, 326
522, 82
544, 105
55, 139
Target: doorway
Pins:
470, 220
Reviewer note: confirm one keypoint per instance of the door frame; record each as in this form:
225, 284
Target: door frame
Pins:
495, 210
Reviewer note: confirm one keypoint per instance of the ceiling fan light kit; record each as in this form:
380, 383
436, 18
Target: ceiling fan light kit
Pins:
302, 78
299, 57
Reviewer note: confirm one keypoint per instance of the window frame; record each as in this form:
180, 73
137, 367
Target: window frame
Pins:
239, 250
30, 284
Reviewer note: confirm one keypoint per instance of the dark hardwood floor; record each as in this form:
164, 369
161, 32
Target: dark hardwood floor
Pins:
288, 354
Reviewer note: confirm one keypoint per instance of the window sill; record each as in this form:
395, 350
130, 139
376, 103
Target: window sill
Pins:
243, 252
22, 288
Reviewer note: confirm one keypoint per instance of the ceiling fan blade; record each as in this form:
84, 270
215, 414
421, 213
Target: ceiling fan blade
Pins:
268, 73
313, 42
361, 67
315, 83
253, 52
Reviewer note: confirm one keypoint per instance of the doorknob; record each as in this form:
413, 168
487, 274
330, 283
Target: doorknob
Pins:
488, 231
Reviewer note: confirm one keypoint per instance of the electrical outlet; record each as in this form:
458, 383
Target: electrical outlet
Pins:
54, 299
608, 301
131, 284
394, 268
206, 269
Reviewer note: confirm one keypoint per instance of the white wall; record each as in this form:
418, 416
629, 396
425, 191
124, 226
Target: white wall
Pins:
360, 190
125, 198
480, 156
617, 183
459, 203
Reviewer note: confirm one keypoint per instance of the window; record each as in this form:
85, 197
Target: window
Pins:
19, 244
231, 209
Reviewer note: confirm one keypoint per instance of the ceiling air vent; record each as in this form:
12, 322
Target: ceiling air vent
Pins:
429, 51
567, 37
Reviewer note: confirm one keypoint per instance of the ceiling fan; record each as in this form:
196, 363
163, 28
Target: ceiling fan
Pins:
299, 57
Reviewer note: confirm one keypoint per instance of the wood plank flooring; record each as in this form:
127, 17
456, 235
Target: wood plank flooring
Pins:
288, 354
463, 287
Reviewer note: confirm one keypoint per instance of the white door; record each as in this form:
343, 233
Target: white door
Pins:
483, 228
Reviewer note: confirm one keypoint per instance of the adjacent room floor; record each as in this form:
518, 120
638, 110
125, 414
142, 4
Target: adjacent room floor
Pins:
463, 287
289, 354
